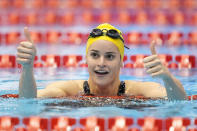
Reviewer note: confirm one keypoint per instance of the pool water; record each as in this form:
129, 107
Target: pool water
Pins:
60, 27
96, 106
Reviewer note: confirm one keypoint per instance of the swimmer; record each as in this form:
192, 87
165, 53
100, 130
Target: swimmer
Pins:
104, 57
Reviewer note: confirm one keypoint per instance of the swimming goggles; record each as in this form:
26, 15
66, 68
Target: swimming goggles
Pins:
111, 33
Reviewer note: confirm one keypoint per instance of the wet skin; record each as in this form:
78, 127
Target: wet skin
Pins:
104, 63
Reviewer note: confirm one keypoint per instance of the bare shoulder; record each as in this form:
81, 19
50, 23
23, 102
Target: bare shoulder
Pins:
71, 86
63, 84
148, 89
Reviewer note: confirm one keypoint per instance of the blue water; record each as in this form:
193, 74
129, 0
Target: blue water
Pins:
9, 79
74, 108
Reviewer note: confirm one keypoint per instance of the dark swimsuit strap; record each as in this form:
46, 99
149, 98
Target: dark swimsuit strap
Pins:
86, 89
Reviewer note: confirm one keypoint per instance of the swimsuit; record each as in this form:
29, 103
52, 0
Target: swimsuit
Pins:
86, 89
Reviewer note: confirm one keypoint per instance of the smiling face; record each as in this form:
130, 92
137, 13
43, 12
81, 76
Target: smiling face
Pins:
104, 62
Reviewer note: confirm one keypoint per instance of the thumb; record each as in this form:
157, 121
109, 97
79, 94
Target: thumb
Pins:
152, 47
27, 35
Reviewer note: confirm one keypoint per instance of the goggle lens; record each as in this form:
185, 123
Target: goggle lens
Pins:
96, 32
111, 33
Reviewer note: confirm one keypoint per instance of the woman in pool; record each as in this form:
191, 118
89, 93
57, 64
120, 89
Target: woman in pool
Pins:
104, 56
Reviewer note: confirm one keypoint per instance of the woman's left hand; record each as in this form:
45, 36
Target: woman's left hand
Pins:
153, 64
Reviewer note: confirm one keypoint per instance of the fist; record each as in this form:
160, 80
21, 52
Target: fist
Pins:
153, 64
26, 51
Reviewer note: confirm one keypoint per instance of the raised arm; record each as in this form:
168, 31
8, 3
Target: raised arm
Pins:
155, 68
26, 52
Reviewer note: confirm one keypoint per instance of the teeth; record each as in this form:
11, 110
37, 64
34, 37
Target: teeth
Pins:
102, 72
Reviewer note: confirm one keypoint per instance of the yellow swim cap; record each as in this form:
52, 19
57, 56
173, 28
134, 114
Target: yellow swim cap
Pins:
118, 42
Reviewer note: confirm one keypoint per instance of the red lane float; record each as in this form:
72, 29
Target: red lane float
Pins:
71, 60
37, 37
175, 38
10, 96
73, 38
53, 37
150, 124
62, 123
183, 61
0, 35
7, 61
192, 97
119, 123
7, 123
35, 123
186, 61
177, 123
93, 123
13, 18
138, 60
155, 36
160, 18
135, 38
51, 60
67, 18
191, 38
12, 38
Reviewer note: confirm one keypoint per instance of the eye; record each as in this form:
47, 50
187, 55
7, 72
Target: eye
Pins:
94, 55
110, 56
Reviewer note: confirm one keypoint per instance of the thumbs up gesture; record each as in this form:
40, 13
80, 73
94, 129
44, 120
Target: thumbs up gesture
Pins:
153, 64
26, 51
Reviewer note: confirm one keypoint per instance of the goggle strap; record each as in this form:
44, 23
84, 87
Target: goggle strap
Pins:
92, 35
126, 47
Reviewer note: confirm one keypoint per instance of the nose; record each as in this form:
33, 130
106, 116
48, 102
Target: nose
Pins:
101, 61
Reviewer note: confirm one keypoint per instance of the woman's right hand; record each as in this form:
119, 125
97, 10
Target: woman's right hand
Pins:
26, 51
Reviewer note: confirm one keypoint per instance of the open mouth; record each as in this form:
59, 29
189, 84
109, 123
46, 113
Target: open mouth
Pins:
101, 72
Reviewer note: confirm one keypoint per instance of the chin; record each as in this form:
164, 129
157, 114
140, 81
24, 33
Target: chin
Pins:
102, 82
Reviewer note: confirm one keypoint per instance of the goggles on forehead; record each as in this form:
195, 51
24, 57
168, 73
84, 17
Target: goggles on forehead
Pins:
111, 33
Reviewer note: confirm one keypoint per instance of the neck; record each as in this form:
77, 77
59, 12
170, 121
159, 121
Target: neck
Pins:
110, 89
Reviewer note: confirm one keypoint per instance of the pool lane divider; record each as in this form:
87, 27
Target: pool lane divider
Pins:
192, 97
